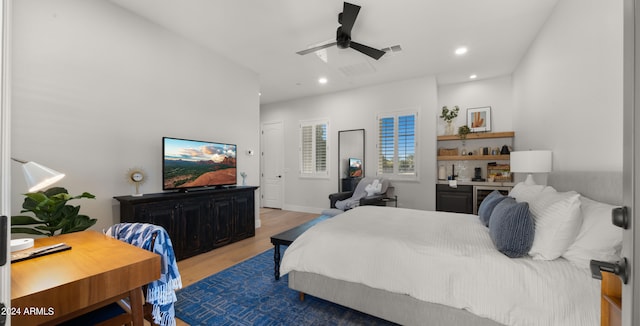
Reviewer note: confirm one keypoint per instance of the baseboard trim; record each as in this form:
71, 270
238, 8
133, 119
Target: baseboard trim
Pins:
304, 209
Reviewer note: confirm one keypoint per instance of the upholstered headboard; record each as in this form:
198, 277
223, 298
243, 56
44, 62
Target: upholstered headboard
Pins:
603, 186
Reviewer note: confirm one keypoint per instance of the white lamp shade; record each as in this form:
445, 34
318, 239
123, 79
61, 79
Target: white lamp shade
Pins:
531, 161
38, 176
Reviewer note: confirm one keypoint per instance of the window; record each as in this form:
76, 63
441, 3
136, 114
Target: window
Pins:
397, 145
314, 148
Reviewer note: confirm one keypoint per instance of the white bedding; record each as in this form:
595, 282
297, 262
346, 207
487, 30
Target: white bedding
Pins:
445, 258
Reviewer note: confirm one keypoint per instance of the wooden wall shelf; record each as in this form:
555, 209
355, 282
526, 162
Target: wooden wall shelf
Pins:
480, 135
473, 157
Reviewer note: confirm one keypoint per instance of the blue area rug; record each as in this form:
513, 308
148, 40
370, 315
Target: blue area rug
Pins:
248, 294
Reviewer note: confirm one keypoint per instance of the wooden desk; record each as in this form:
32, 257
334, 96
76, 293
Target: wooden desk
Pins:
98, 270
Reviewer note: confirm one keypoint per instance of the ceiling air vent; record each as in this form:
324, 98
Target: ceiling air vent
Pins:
393, 49
357, 69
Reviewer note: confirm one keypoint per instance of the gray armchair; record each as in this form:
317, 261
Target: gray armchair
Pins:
348, 199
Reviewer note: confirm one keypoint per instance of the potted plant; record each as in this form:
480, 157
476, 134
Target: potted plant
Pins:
51, 213
448, 116
463, 131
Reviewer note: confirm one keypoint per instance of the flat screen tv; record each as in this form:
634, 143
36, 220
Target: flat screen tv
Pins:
355, 168
194, 164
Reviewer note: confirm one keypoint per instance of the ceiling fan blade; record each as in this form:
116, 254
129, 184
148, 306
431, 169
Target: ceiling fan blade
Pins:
349, 15
374, 53
316, 48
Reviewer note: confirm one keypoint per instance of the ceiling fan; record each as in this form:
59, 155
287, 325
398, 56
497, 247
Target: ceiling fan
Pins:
343, 35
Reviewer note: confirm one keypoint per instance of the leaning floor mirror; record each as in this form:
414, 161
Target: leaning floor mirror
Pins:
351, 161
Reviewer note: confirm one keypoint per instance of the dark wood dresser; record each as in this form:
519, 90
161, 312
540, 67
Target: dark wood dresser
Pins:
197, 221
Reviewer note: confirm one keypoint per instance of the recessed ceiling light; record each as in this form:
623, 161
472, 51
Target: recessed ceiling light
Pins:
322, 80
473, 76
461, 50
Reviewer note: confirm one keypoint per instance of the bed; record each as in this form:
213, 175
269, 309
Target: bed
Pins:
417, 267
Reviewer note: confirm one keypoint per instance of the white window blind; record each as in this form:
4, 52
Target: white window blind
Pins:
397, 145
314, 148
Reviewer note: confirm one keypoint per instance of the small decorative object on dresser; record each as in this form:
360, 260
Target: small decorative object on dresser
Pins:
479, 119
136, 177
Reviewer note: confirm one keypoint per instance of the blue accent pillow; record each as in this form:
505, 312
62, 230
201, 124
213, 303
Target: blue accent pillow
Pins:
487, 206
511, 228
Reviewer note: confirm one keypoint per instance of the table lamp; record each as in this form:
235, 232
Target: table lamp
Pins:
531, 162
38, 176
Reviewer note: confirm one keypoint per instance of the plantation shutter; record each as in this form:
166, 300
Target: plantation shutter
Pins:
321, 147
397, 143
307, 149
314, 148
386, 145
406, 144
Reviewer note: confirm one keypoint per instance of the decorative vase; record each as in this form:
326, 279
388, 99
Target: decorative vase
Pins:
448, 130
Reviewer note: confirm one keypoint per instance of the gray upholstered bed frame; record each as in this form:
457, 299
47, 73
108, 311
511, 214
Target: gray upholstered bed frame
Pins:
405, 310
398, 308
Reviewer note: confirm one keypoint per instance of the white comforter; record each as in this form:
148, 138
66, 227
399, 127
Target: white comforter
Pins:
445, 258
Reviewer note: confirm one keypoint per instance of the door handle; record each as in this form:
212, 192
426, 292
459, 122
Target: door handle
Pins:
620, 268
620, 217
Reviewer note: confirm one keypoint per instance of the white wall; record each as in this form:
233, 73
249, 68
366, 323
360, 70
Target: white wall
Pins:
96, 87
496, 93
568, 88
356, 109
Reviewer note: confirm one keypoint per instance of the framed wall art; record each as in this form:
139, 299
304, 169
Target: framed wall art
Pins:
479, 119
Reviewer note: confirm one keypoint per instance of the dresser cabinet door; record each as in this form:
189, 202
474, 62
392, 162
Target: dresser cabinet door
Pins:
243, 219
221, 219
163, 214
194, 227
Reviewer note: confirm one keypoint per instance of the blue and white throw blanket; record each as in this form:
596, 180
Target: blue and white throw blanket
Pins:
160, 293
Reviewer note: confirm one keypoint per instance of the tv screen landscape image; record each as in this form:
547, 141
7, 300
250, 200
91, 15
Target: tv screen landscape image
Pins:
193, 163
355, 168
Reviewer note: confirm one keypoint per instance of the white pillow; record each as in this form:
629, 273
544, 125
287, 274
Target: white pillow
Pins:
598, 238
524, 193
557, 219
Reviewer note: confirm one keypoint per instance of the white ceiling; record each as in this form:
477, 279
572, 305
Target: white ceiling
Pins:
265, 35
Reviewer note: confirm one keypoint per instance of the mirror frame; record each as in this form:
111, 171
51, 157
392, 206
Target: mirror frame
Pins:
347, 147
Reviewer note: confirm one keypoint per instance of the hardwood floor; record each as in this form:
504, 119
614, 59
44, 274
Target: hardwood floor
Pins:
273, 221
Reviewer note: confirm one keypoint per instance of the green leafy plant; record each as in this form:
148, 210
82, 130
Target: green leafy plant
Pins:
463, 131
448, 115
51, 213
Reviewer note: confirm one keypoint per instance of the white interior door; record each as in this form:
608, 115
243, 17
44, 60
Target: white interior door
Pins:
631, 161
5, 159
272, 164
